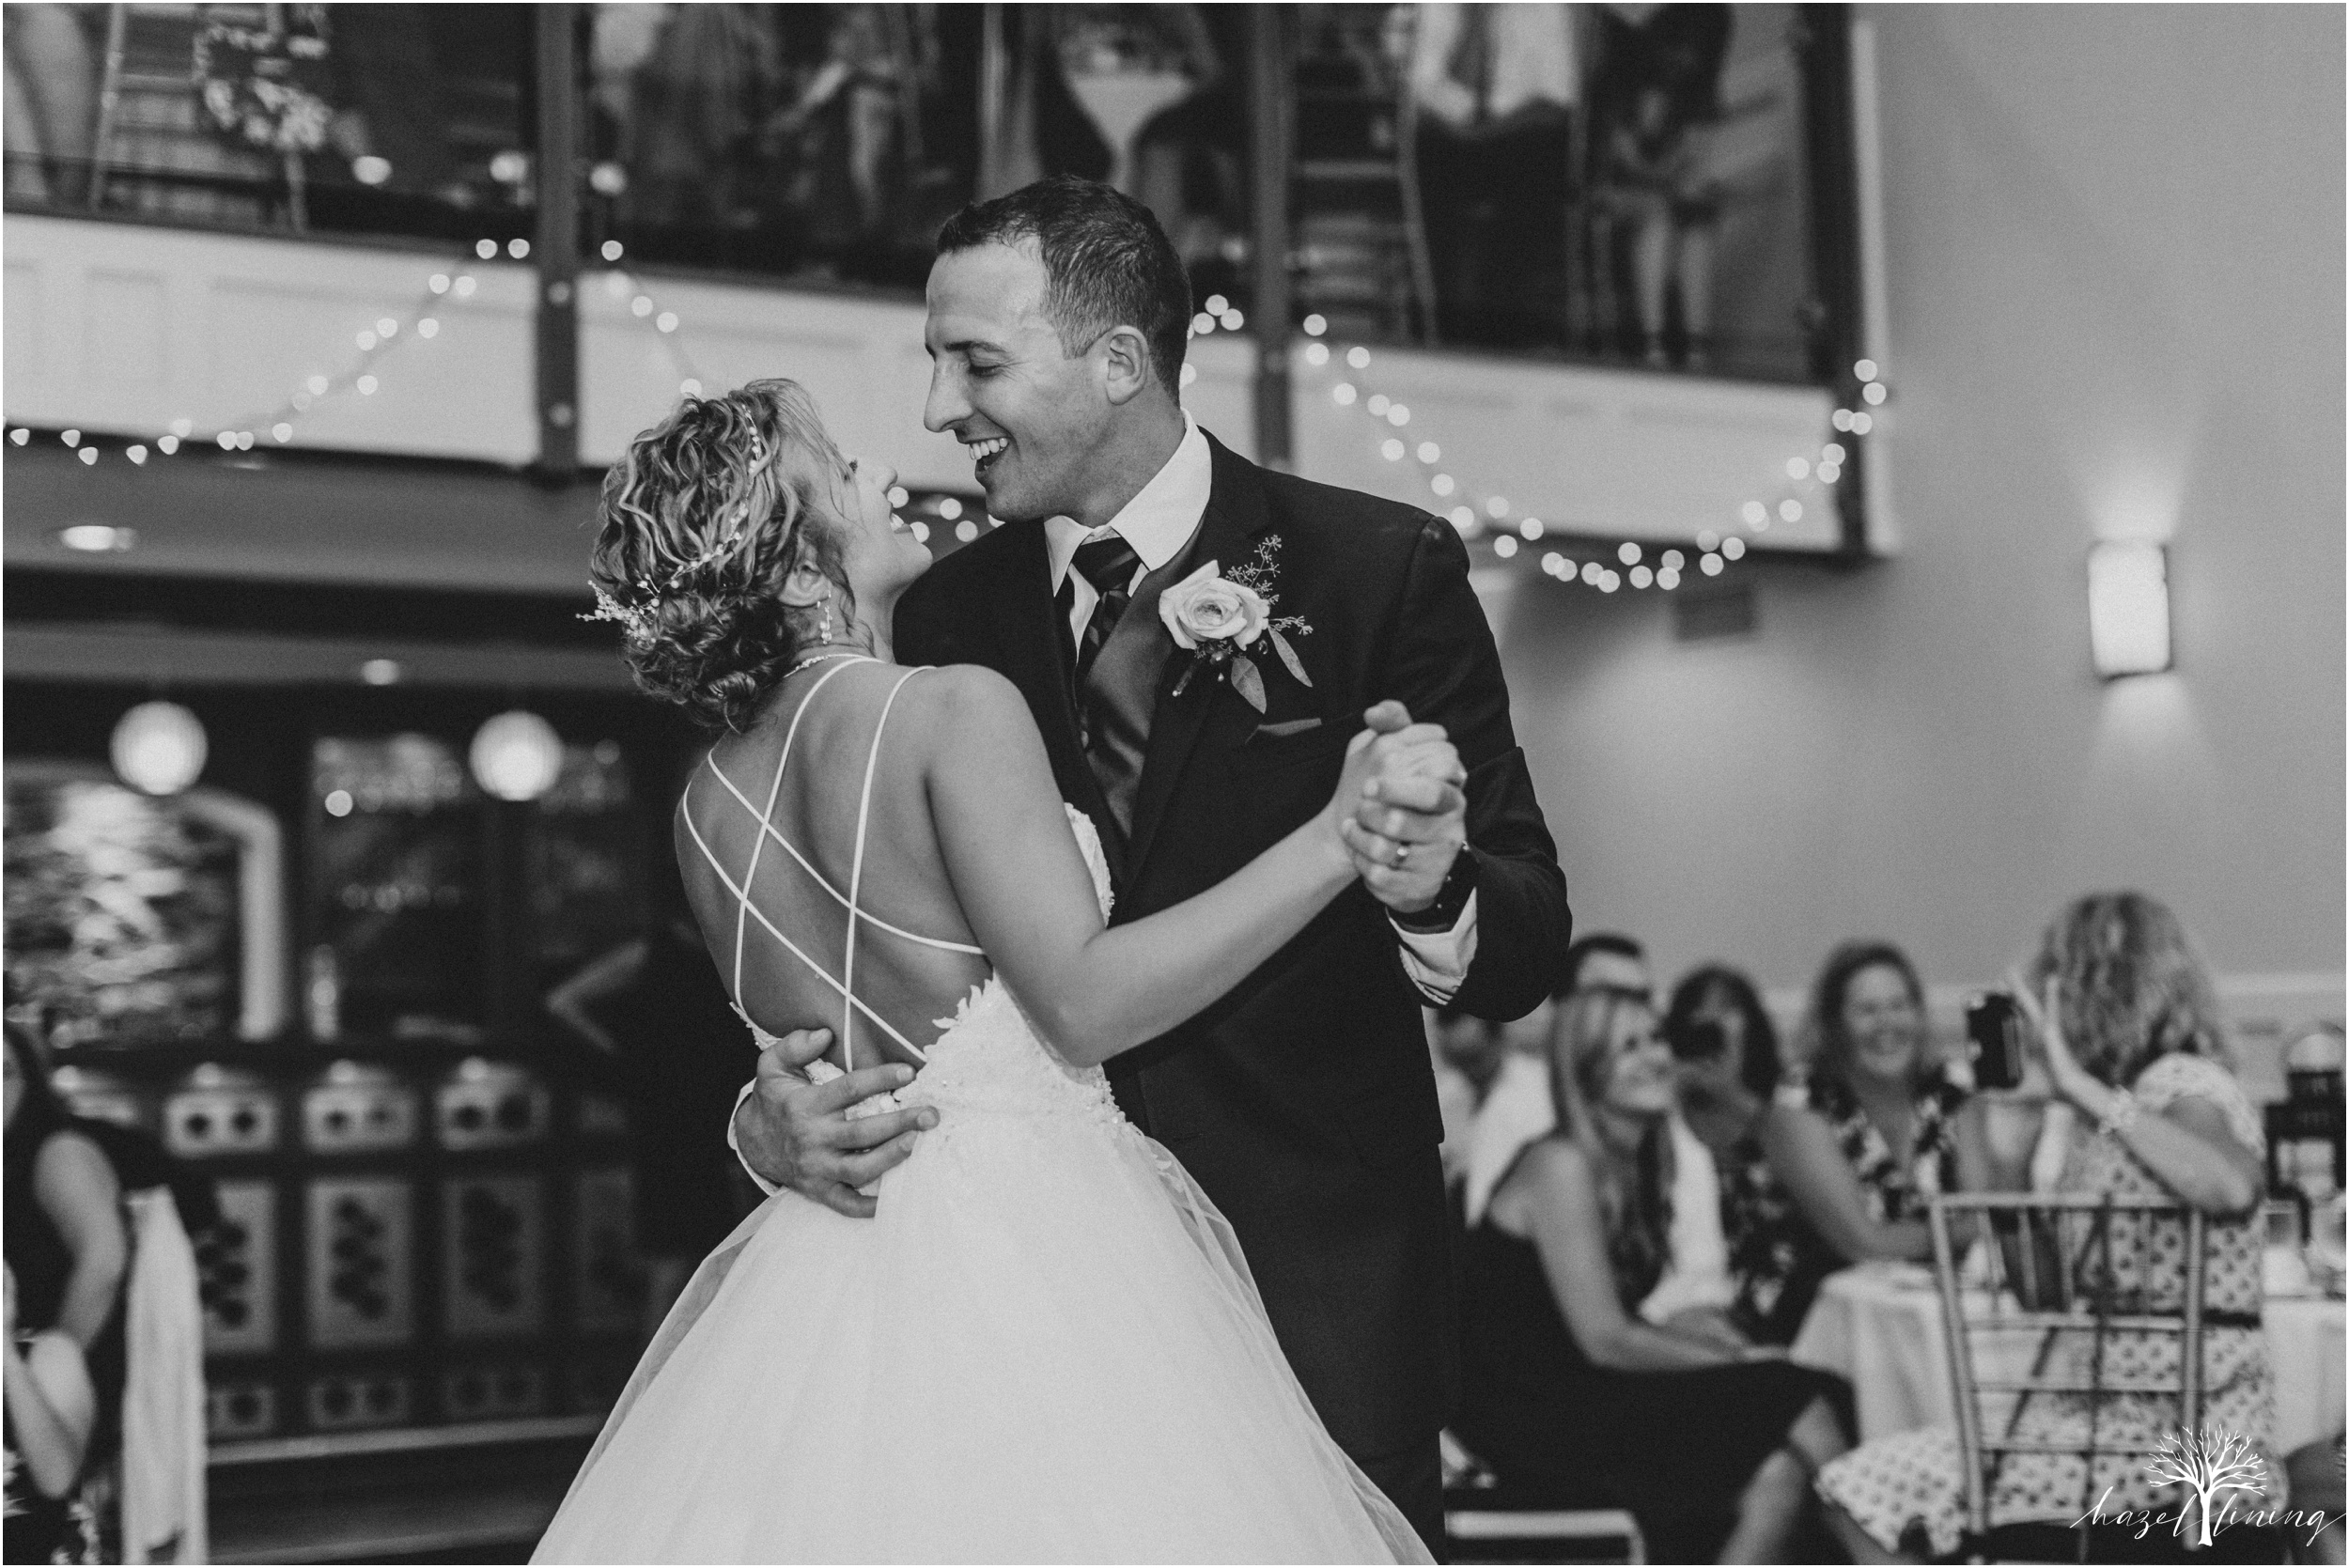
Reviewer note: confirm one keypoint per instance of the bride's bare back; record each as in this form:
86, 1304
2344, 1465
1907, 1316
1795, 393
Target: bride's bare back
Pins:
821, 806
921, 801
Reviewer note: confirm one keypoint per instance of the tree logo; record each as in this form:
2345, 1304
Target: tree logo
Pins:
2221, 1479
2207, 1464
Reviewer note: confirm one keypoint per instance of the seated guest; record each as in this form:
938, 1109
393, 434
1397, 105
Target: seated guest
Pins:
1467, 1053
1605, 961
1564, 1390
2124, 1028
51, 1411
1469, 1046
1515, 1106
1727, 1049
1695, 1290
1852, 1164
68, 1252
63, 1233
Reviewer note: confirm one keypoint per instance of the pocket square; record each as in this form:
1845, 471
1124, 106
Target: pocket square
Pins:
1285, 727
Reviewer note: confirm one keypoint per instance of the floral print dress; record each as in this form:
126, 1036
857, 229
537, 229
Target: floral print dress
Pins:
1775, 1259
1895, 1487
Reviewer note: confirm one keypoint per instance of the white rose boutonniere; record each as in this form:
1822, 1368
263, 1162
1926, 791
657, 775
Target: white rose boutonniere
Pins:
1213, 618
1205, 608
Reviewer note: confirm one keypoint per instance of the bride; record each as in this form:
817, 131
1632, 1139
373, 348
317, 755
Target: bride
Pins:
1046, 1346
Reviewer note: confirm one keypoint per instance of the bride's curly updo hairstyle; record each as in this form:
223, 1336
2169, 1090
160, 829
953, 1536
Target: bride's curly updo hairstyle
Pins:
703, 521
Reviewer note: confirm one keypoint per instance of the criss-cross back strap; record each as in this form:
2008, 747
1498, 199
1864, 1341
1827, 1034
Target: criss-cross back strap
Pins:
746, 911
856, 877
838, 898
766, 816
742, 895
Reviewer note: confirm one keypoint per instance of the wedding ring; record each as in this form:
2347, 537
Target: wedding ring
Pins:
1402, 853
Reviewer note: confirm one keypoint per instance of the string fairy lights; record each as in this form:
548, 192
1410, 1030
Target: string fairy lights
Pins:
1476, 513
373, 341
623, 282
925, 512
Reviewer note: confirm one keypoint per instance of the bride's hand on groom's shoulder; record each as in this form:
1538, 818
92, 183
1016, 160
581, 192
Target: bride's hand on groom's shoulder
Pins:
798, 1134
1399, 808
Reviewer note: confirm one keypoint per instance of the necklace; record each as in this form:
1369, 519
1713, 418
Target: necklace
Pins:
810, 662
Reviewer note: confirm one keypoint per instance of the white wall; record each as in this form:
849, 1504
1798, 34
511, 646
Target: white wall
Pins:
2114, 237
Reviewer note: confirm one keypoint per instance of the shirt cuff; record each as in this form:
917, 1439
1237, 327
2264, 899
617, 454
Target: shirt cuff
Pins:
764, 1185
1436, 961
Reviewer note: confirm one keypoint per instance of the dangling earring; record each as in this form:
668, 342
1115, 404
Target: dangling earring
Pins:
823, 628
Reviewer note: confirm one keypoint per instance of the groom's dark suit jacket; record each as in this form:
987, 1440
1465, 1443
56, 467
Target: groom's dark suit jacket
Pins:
1303, 1101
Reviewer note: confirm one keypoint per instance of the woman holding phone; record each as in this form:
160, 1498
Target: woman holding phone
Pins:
2125, 1026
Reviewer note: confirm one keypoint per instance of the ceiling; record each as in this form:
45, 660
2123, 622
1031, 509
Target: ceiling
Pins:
306, 518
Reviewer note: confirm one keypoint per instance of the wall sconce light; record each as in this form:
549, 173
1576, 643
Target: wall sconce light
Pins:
2129, 607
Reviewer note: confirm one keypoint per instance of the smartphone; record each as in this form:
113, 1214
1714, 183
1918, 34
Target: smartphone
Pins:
1698, 1040
1995, 1026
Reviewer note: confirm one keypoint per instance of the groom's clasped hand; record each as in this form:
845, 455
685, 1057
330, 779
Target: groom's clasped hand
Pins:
1407, 822
1399, 811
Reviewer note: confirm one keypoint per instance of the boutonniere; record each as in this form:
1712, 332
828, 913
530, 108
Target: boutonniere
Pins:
1216, 619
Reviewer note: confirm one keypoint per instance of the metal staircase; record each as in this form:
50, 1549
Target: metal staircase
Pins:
1360, 256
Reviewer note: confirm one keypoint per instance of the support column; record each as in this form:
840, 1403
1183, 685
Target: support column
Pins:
555, 244
1271, 106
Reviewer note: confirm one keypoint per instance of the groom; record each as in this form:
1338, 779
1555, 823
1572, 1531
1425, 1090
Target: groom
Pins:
1303, 1101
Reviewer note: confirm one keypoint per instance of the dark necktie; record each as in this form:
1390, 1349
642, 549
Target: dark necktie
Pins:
1107, 563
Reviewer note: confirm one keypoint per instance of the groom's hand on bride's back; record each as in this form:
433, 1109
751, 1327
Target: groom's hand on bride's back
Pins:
798, 1134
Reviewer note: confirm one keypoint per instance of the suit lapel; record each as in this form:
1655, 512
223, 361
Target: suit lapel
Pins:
1034, 652
1236, 512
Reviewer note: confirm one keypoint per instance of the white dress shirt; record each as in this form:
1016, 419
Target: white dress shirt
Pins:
1517, 1110
1696, 1270
1532, 59
1158, 521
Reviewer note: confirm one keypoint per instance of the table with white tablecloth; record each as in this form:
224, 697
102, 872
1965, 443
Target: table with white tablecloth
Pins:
1880, 1325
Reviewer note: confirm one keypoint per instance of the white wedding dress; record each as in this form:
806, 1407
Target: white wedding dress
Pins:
1045, 1347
